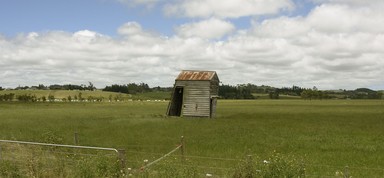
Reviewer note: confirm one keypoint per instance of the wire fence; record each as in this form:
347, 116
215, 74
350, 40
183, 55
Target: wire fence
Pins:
33, 159
51, 160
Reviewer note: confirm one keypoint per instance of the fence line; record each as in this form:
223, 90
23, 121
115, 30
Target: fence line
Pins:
214, 158
157, 160
351, 167
191, 156
203, 167
234, 159
179, 147
119, 153
59, 145
141, 152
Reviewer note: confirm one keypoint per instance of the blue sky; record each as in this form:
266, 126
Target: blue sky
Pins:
330, 44
102, 16
73, 15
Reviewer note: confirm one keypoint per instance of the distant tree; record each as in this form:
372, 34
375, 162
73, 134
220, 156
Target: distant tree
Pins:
235, 92
44, 99
134, 88
274, 94
294, 91
227, 91
244, 92
91, 87
305, 94
41, 87
21, 87
117, 88
56, 87
9, 97
99, 99
27, 98
81, 96
313, 94
83, 87
364, 93
51, 98
69, 98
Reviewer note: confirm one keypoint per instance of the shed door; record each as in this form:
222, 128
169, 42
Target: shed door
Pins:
212, 108
177, 102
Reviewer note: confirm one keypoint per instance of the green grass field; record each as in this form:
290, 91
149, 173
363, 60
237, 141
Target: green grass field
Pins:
327, 134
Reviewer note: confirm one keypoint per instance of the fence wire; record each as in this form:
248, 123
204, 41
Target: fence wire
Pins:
48, 161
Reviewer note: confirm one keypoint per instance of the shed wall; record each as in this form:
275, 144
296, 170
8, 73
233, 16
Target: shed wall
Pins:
214, 84
197, 98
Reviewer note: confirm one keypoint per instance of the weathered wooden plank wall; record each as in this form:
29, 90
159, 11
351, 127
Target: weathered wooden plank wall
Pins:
196, 101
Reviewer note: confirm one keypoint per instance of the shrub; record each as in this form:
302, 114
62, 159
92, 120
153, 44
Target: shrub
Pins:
51, 137
99, 166
276, 165
9, 169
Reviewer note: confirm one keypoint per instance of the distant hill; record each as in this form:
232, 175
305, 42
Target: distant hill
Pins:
64, 95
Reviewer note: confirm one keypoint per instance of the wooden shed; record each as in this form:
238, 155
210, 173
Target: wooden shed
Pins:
194, 94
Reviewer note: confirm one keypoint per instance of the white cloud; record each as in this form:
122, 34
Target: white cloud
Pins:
345, 19
371, 3
85, 36
207, 29
226, 8
133, 32
130, 28
335, 46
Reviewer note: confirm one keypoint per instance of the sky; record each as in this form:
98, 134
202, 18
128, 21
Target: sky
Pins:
330, 44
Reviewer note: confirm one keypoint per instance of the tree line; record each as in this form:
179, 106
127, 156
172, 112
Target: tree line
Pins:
246, 91
51, 98
89, 87
240, 91
235, 92
131, 88
7, 97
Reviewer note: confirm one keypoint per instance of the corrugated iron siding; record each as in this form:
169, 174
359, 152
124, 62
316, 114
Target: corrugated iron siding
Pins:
195, 75
196, 101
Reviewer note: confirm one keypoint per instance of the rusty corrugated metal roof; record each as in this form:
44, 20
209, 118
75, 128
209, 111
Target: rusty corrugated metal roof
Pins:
195, 75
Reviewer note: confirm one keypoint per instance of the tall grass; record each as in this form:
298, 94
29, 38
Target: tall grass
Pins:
329, 134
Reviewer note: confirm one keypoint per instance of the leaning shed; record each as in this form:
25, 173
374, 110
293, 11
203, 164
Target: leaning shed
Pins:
194, 94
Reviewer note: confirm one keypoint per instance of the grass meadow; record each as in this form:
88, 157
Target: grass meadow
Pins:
327, 135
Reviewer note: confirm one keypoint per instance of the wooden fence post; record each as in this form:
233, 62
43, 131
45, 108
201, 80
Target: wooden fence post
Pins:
76, 138
249, 158
182, 147
346, 175
121, 153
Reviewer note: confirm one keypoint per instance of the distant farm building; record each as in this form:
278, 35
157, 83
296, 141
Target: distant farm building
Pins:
194, 94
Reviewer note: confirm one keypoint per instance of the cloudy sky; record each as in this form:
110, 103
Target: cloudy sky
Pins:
330, 44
